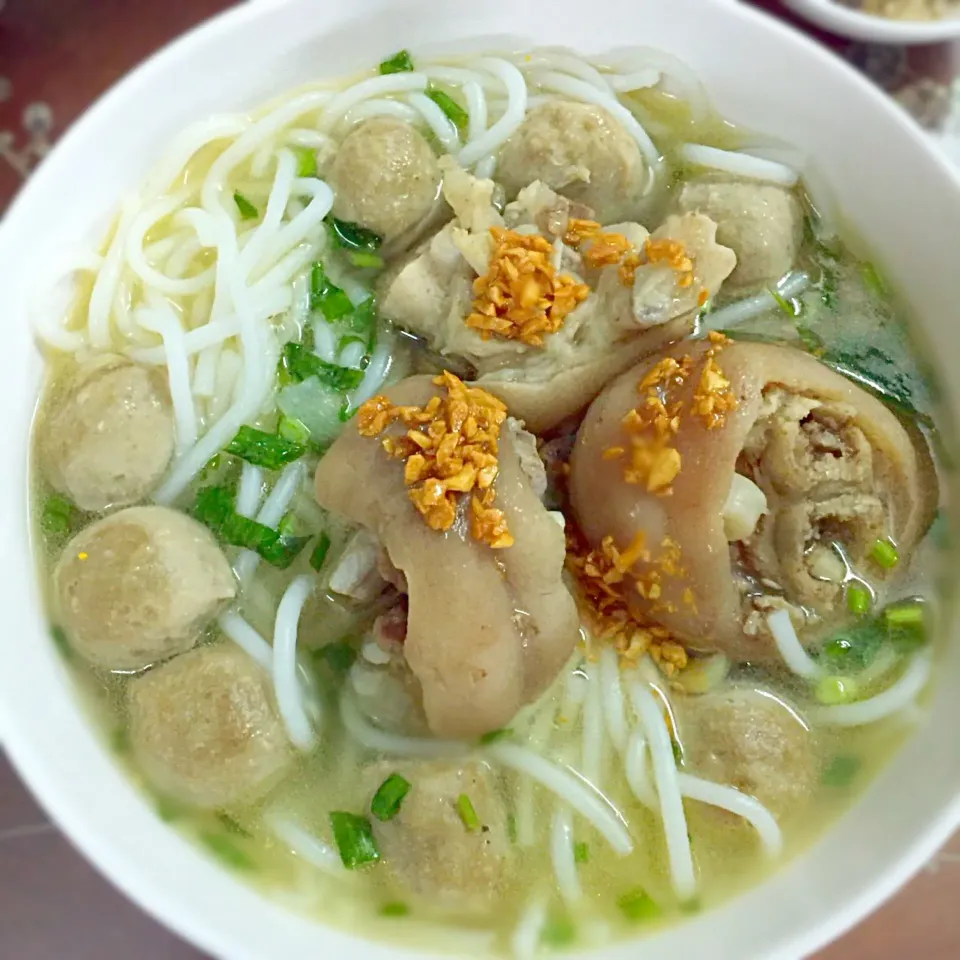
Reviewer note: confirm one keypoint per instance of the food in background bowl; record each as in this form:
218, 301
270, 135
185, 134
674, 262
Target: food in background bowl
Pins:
459, 678
906, 9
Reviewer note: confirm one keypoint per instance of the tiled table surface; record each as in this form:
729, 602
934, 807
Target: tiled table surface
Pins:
55, 57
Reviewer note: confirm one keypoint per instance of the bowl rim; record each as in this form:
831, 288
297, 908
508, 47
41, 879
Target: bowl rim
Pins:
133, 879
857, 25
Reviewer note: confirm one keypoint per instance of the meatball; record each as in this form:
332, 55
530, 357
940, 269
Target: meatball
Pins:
386, 178
205, 730
109, 437
761, 223
581, 152
139, 586
427, 848
749, 739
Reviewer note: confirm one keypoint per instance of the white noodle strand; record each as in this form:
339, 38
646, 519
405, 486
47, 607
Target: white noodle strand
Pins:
286, 680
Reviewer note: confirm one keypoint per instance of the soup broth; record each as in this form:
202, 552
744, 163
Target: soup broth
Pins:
262, 663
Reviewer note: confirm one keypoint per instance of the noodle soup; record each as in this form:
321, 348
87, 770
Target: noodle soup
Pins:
487, 500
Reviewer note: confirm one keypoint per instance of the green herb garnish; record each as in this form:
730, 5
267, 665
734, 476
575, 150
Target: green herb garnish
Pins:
858, 600
365, 260
885, 554
214, 509
841, 771
400, 62
354, 839
872, 280
306, 161
247, 210
351, 236
300, 365
262, 449
226, 850
677, 747
558, 932
452, 110
58, 516
232, 826
637, 906
467, 813
294, 430
396, 909
320, 551
492, 736
386, 802
339, 656
326, 296
581, 852
785, 305
812, 342
832, 691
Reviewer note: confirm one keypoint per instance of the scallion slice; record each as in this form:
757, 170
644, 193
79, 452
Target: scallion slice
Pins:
397, 909
558, 932
638, 906
581, 852
294, 430
841, 771
354, 839
306, 161
364, 260
388, 799
785, 305
352, 236
492, 736
467, 813
400, 62
832, 691
320, 551
247, 210
58, 516
858, 600
299, 364
327, 297
885, 554
227, 850
338, 656
263, 449
450, 107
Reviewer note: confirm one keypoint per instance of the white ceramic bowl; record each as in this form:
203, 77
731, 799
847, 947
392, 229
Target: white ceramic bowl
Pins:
849, 22
894, 188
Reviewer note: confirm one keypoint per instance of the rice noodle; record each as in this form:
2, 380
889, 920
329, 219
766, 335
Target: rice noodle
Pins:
792, 285
789, 646
305, 845
739, 164
512, 117
439, 123
392, 83
394, 744
895, 698
614, 711
674, 819
635, 769
570, 787
476, 109
593, 740
251, 489
286, 680
728, 798
525, 942
378, 107
562, 855
538, 738
375, 374
246, 638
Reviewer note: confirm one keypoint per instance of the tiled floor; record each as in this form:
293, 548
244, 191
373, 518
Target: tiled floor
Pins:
56, 56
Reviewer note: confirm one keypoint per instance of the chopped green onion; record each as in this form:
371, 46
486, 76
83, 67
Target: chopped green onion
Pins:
210, 468
227, 850
264, 449
386, 802
581, 852
400, 62
214, 509
858, 600
294, 430
354, 838
247, 210
836, 690
467, 814
638, 905
453, 111
306, 161
326, 296
232, 826
320, 552
841, 771
339, 656
885, 554
907, 624
396, 909
364, 260
558, 932
812, 342
58, 516
287, 527
785, 305
492, 736
677, 748
300, 365
908, 614
351, 236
